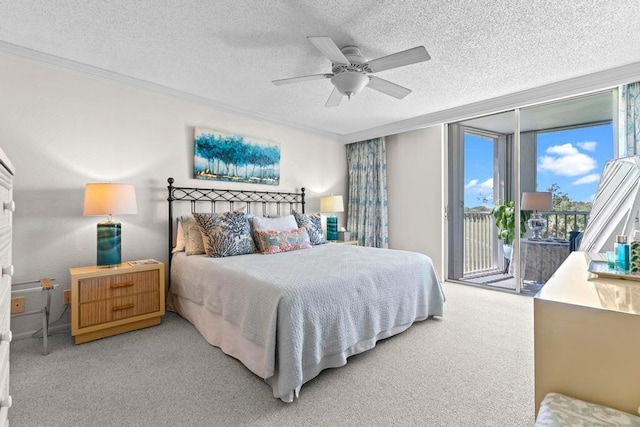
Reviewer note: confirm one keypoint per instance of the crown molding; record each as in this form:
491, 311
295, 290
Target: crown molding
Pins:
554, 91
91, 71
566, 88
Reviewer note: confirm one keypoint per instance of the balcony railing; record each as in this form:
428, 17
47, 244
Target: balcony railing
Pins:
479, 243
482, 249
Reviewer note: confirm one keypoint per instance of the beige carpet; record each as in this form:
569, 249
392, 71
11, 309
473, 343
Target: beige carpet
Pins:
473, 367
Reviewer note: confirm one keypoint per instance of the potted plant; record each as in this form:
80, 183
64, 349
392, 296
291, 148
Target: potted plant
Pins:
505, 218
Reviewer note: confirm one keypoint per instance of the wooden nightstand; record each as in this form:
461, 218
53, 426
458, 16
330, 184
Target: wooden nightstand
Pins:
106, 301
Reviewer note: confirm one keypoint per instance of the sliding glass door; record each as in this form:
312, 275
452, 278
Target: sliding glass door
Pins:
478, 178
566, 145
558, 148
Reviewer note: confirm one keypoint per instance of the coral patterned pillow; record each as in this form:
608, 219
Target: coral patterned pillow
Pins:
225, 234
272, 242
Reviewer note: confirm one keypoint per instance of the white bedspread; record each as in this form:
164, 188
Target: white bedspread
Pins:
311, 309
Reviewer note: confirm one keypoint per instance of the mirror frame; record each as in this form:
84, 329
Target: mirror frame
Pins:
615, 206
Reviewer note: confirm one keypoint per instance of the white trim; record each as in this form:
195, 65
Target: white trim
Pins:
444, 201
579, 85
515, 254
91, 71
563, 89
615, 105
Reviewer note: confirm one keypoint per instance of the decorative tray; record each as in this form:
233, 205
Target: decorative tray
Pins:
602, 269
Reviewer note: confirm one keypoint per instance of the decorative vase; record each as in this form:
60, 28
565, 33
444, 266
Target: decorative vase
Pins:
507, 248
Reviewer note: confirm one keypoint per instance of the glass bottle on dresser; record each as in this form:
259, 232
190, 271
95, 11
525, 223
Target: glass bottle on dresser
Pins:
622, 253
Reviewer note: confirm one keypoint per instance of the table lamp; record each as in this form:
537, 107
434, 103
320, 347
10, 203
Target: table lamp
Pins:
536, 201
331, 204
109, 199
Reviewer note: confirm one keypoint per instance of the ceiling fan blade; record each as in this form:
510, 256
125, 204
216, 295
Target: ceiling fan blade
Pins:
334, 99
301, 79
387, 87
399, 59
329, 49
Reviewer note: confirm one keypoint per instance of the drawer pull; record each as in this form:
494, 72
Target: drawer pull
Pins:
123, 307
6, 336
9, 206
122, 285
7, 271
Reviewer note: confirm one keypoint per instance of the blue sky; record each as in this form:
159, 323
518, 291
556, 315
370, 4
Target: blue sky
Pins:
571, 158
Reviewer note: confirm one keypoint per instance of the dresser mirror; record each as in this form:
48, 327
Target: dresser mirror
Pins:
615, 205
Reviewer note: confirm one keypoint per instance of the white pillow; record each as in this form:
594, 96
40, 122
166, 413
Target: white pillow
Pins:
179, 247
282, 223
193, 244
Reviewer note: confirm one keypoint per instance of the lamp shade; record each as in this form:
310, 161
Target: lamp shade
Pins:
110, 199
331, 204
537, 201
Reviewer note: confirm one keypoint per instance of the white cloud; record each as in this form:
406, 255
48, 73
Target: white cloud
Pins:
476, 186
486, 185
566, 160
588, 145
587, 179
562, 150
471, 184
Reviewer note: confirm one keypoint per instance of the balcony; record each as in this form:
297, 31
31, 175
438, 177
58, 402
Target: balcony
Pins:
483, 254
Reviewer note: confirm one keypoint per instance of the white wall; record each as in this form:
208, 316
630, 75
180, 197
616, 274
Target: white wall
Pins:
415, 192
62, 130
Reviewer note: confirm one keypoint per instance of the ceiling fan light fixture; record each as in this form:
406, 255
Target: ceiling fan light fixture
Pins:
350, 82
350, 71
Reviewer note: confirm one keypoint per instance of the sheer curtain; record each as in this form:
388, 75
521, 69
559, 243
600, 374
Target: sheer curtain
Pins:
629, 119
367, 212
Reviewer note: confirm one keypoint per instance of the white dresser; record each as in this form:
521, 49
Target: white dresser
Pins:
6, 221
587, 337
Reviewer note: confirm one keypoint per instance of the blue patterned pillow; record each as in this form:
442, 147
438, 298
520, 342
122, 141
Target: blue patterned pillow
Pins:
313, 224
225, 234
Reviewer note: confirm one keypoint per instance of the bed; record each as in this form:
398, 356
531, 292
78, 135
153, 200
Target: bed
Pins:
288, 315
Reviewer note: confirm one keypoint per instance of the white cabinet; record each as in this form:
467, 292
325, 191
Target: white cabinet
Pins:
586, 337
6, 271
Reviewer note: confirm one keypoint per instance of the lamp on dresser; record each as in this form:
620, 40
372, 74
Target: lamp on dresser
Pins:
536, 201
109, 199
330, 205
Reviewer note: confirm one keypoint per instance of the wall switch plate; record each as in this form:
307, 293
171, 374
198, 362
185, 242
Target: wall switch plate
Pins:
67, 296
17, 305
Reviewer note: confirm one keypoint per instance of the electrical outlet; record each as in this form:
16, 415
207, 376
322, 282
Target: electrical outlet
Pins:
17, 305
66, 296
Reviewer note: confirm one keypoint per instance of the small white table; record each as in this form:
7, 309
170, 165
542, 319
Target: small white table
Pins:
344, 242
46, 285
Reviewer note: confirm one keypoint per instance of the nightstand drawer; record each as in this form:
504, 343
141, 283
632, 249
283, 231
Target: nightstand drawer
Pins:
108, 310
118, 285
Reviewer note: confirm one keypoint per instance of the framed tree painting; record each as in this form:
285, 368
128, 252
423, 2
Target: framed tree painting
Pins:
235, 158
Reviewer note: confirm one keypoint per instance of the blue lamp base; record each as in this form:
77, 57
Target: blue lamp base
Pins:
332, 228
108, 243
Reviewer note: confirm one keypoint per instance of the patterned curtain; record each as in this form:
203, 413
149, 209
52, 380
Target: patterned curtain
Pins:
629, 119
367, 212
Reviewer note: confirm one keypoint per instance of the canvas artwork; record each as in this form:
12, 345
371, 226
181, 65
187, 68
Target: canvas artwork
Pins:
235, 158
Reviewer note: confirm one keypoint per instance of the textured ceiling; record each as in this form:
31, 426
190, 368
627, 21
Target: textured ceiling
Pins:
228, 51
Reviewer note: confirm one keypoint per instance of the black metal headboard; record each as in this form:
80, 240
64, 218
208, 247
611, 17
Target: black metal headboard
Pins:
212, 198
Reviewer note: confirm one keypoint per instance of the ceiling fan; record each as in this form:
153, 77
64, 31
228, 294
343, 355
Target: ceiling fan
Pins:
350, 72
